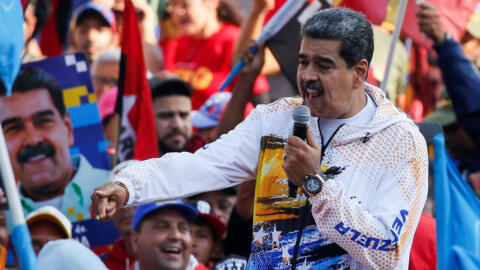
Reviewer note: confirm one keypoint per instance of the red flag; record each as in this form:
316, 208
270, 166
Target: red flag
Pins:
454, 16
375, 11
50, 40
138, 136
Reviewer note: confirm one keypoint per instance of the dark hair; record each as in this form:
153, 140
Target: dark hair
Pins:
170, 87
200, 221
30, 78
345, 25
228, 11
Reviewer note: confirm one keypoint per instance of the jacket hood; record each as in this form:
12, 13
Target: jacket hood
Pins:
386, 114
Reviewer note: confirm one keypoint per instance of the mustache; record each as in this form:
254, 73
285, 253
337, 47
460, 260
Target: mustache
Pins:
31, 151
313, 85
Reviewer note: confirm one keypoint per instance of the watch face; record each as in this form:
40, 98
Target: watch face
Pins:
313, 185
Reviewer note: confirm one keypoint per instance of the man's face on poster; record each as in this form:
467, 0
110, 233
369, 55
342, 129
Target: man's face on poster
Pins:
38, 140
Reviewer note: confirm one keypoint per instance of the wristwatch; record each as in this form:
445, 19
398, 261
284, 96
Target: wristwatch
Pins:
313, 183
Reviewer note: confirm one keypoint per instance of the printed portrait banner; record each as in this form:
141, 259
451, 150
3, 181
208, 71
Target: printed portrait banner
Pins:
72, 74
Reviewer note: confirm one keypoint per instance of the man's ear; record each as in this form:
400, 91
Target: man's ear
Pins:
360, 73
133, 238
71, 43
68, 124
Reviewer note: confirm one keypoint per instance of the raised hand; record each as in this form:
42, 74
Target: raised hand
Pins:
106, 200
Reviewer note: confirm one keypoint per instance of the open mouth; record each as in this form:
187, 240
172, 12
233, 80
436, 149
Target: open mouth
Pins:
172, 252
36, 158
314, 93
313, 88
35, 153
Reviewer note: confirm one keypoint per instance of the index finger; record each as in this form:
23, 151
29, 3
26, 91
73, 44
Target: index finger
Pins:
102, 209
100, 194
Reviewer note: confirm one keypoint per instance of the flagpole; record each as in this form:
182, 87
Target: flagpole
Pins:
393, 43
19, 234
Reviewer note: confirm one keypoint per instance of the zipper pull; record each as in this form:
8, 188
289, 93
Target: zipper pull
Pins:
366, 138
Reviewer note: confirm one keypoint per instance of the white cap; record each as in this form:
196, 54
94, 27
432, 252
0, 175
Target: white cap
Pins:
52, 214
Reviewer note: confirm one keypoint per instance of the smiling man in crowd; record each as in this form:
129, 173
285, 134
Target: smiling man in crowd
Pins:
38, 132
161, 236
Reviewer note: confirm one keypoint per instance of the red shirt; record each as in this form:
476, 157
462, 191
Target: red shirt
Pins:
205, 63
196, 142
118, 258
423, 255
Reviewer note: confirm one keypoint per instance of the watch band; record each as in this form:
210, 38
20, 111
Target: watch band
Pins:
126, 190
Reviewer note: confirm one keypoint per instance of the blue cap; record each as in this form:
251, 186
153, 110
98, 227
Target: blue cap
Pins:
189, 211
209, 114
93, 8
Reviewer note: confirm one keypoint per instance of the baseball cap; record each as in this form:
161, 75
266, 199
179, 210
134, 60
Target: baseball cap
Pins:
205, 212
51, 214
209, 114
212, 110
143, 210
92, 8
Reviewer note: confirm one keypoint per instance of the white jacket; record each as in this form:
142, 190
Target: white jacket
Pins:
370, 208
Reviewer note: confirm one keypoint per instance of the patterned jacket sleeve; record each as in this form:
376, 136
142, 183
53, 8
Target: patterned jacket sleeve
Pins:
380, 235
221, 164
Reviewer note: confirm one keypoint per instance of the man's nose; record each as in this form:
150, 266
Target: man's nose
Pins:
176, 121
32, 135
92, 34
309, 74
175, 234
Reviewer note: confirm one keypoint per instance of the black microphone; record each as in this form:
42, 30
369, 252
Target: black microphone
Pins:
301, 115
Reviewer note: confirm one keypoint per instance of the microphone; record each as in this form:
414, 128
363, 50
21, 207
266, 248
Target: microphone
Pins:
301, 115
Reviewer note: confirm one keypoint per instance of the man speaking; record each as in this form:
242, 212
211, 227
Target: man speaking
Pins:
361, 173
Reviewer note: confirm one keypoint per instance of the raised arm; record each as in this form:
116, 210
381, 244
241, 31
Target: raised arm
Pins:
250, 30
221, 164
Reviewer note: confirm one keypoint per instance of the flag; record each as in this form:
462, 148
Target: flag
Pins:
24, 3
286, 43
283, 15
375, 11
457, 213
454, 16
53, 37
138, 137
11, 43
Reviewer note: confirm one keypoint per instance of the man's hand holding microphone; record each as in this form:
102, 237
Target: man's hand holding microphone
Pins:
302, 155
